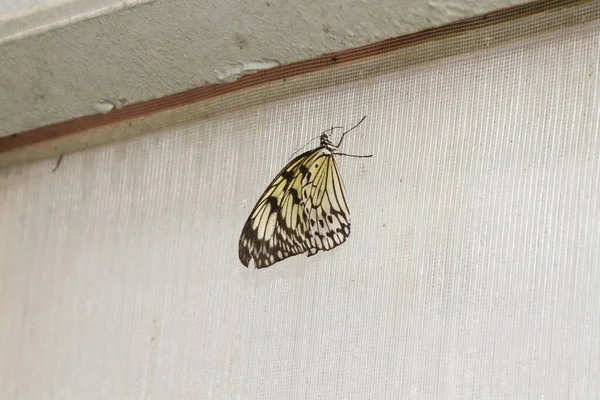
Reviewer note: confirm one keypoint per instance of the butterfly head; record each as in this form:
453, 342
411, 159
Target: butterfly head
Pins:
325, 142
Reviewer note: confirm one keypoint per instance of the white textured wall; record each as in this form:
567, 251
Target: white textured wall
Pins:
471, 272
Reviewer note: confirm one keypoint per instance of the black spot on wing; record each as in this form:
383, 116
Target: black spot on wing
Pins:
287, 174
272, 200
294, 194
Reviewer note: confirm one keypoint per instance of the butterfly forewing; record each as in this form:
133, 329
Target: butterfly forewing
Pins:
303, 209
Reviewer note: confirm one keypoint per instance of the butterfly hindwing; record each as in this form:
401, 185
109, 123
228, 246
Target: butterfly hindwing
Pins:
326, 209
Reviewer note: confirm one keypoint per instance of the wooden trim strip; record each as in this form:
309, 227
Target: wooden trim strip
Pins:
128, 112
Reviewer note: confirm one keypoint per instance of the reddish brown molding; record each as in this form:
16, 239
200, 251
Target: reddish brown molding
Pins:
74, 126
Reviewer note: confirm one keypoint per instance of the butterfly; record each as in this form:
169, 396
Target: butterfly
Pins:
303, 209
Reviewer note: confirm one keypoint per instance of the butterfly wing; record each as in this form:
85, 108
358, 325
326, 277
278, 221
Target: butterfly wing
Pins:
303, 209
326, 209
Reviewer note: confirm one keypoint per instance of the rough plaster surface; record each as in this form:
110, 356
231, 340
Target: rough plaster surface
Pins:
9, 5
163, 47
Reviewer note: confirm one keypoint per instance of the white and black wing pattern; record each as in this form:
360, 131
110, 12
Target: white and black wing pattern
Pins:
304, 209
325, 206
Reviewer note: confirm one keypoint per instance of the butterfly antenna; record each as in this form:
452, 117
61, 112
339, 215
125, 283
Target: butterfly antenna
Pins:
330, 130
353, 155
303, 147
344, 134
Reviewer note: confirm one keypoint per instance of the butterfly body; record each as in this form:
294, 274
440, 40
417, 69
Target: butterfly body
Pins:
302, 210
